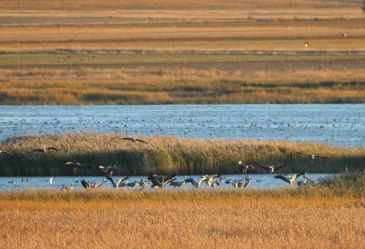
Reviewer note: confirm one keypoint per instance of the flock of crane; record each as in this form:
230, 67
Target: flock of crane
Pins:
159, 181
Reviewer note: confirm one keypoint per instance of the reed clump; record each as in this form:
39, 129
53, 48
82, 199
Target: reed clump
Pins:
166, 154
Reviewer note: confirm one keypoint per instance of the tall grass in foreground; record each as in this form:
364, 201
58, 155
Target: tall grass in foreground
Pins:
166, 154
313, 217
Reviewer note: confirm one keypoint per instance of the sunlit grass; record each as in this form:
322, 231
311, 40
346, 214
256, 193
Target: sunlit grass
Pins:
167, 154
314, 217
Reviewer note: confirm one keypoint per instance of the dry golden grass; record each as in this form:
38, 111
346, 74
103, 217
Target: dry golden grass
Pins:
165, 154
181, 219
143, 52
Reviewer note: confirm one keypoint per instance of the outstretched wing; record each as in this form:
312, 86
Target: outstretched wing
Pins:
298, 174
122, 179
100, 183
263, 167
128, 138
140, 140
111, 180
85, 184
37, 150
280, 166
285, 179
52, 148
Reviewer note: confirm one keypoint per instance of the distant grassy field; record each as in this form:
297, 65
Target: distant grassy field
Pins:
143, 52
166, 155
311, 217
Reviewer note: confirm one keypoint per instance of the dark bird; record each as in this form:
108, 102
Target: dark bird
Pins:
312, 156
133, 139
44, 149
271, 168
195, 183
76, 166
2, 152
88, 185
118, 183
108, 170
290, 180
160, 181
246, 168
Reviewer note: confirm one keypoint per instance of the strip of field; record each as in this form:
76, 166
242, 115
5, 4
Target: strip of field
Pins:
166, 154
142, 52
310, 217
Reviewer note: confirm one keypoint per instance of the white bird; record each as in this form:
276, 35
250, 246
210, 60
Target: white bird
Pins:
307, 45
51, 180
210, 180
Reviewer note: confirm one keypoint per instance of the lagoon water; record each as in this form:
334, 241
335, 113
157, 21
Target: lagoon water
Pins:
335, 124
258, 181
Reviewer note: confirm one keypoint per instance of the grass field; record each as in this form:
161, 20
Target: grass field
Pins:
166, 155
311, 218
143, 52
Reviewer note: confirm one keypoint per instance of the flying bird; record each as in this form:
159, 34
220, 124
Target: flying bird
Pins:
271, 168
160, 181
290, 180
246, 168
210, 180
76, 166
312, 156
118, 183
133, 139
44, 149
107, 171
88, 185
307, 45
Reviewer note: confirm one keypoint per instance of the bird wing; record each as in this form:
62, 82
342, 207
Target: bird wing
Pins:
85, 184
263, 167
280, 166
37, 150
297, 175
52, 148
4, 152
111, 180
215, 176
128, 138
242, 168
122, 179
323, 157
140, 140
167, 181
100, 183
285, 179
303, 154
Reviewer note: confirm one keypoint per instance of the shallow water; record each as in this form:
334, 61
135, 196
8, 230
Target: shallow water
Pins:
258, 181
337, 124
